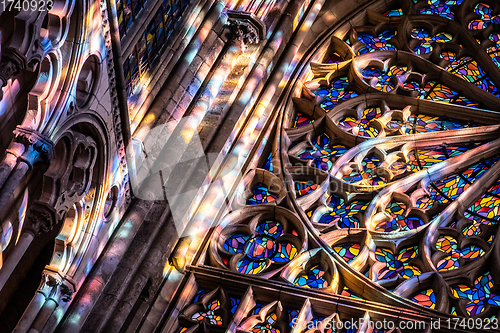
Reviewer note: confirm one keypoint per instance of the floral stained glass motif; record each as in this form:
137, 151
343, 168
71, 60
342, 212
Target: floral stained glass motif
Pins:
479, 296
377, 43
384, 81
425, 298
305, 187
348, 251
342, 213
486, 19
487, 206
368, 174
469, 70
301, 120
261, 195
451, 187
437, 92
268, 326
426, 40
443, 191
322, 154
335, 94
394, 12
422, 158
334, 58
441, 8
399, 218
209, 315
264, 245
314, 277
397, 265
449, 245
474, 229
368, 124
494, 51
364, 126
420, 123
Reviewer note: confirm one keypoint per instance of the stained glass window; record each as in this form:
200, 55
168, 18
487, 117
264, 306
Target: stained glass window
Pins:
261, 194
399, 120
158, 29
127, 12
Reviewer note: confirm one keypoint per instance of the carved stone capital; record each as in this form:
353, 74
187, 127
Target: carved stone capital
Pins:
55, 287
38, 148
40, 218
246, 27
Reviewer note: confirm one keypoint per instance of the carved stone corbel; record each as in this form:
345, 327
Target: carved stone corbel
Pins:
37, 147
27, 148
41, 218
56, 288
246, 27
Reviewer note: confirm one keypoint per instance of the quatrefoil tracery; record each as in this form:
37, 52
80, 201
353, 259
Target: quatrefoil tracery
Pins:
258, 244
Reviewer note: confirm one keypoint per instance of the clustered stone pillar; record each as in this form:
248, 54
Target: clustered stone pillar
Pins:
40, 218
52, 291
242, 29
27, 148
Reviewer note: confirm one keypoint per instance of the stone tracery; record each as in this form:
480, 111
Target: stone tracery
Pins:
390, 210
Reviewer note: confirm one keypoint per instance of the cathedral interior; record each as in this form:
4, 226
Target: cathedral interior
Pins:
260, 166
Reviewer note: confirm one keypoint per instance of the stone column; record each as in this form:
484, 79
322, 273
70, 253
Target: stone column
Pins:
40, 218
241, 30
27, 148
52, 291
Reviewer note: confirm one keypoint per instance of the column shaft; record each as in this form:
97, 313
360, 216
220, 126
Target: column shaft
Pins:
12, 183
44, 314
10, 264
30, 313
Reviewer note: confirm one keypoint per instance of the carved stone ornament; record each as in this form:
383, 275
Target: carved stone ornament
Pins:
38, 148
246, 27
23, 50
53, 286
40, 218
70, 174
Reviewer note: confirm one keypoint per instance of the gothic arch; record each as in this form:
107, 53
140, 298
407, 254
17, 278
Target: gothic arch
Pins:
82, 215
387, 147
